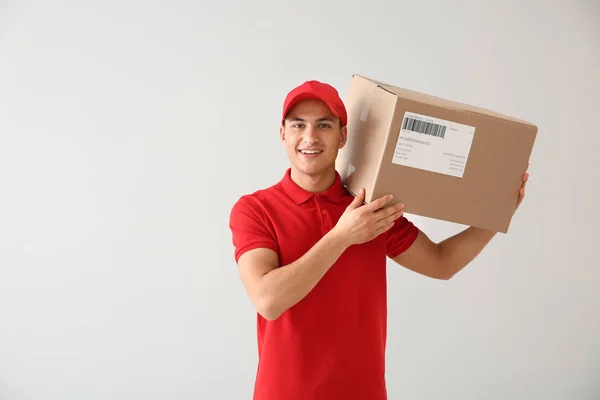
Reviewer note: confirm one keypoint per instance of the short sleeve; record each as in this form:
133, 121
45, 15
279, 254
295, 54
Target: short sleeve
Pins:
400, 237
249, 228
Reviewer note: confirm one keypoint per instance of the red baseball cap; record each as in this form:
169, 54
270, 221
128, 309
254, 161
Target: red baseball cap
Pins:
320, 91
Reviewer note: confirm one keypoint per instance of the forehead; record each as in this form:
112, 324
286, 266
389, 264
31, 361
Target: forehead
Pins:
310, 109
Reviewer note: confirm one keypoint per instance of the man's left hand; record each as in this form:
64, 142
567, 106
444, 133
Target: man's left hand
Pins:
522, 190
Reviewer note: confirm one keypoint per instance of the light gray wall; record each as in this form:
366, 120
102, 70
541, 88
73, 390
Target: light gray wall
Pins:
117, 278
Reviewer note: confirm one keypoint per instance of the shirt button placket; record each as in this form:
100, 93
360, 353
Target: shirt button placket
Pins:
325, 220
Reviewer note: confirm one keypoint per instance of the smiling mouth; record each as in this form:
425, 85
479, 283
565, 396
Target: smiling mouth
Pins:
311, 152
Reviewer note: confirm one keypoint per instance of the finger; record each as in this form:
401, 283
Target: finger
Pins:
379, 203
384, 228
523, 185
387, 211
391, 219
520, 197
358, 199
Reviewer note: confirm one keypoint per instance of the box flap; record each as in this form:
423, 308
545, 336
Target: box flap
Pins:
441, 102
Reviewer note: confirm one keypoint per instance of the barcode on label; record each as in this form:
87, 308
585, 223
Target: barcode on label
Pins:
424, 127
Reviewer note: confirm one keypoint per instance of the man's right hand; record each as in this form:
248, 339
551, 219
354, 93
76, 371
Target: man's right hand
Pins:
361, 223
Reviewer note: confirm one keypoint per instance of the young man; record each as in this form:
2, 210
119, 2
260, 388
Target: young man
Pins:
313, 261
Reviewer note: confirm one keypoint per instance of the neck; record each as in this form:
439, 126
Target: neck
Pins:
316, 183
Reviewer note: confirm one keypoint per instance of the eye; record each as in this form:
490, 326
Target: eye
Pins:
297, 126
324, 126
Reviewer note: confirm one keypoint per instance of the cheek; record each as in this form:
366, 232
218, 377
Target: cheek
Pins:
334, 143
291, 146
290, 140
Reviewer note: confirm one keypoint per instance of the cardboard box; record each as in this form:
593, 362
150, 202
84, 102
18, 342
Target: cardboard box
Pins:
442, 159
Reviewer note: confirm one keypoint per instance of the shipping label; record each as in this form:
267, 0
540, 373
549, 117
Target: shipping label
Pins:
433, 144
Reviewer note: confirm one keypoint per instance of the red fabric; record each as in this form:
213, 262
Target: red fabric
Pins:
331, 345
320, 91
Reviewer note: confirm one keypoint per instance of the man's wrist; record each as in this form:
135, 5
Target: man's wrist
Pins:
336, 240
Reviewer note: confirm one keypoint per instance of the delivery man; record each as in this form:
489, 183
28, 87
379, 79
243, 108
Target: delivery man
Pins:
312, 258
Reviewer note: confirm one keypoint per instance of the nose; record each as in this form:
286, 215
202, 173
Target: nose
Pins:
311, 134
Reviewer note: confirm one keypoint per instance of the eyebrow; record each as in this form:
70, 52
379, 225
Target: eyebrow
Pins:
318, 120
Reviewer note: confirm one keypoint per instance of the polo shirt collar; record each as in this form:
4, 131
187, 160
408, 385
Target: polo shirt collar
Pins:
299, 195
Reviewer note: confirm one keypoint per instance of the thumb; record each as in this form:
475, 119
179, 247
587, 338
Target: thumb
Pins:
358, 199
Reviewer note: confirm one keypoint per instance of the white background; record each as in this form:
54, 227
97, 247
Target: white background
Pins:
128, 130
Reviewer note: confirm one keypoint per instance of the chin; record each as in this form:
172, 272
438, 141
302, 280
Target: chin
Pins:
314, 169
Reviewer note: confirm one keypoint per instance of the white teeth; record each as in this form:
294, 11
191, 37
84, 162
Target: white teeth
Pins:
310, 151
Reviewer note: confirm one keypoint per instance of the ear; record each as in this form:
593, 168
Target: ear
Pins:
343, 136
282, 132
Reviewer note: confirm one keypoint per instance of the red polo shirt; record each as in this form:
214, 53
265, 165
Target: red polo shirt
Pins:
331, 345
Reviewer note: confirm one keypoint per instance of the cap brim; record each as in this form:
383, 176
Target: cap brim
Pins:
306, 96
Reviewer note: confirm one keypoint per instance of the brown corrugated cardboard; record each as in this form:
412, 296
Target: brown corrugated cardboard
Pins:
442, 159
